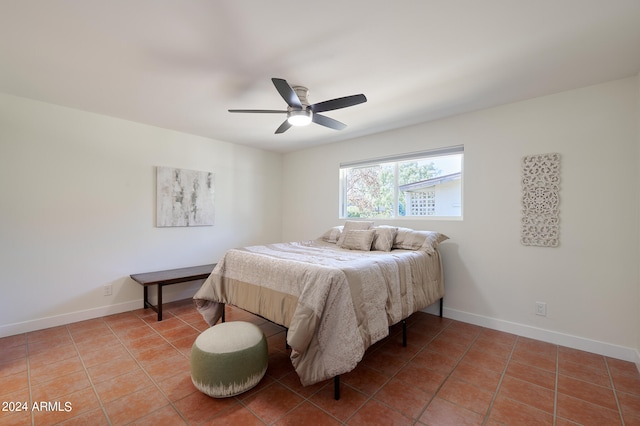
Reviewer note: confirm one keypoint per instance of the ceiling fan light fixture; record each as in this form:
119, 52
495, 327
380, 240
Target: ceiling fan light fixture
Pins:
299, 117
300, 112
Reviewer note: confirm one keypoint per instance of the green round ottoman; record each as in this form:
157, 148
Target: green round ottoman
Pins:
228, 359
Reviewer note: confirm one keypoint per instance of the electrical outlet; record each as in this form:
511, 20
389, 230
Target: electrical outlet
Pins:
541, 309
107, 289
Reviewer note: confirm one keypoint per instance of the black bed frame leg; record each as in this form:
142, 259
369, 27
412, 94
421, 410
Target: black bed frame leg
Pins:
441, 299
286, 343
404, 333
336, 387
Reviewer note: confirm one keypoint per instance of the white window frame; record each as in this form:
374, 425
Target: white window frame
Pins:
458, 149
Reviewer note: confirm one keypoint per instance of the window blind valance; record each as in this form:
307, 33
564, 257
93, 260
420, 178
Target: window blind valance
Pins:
402, 157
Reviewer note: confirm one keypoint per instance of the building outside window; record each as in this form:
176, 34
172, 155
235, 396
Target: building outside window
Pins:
421, 203
438, 196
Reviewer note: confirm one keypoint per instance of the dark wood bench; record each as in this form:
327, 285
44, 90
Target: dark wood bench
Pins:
168, 277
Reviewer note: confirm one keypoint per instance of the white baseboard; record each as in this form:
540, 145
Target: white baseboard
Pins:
71, 317
557, 338
637, 360
68, 318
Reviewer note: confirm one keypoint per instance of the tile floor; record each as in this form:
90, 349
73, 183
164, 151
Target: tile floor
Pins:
130, 369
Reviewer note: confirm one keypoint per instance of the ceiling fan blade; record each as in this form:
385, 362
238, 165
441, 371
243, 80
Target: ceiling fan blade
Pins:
260, 111
328, 122
283, 127
287, 93
338, 103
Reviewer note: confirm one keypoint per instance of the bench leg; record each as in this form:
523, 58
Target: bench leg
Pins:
145, 298
159, 302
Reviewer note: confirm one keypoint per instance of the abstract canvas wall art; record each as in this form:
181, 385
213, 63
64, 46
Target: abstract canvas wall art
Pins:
541, 200
184, 197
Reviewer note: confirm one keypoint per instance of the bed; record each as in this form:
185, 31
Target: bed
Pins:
337, 295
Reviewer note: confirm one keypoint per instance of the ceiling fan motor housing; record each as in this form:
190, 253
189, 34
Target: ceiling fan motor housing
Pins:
303, 94
300, 117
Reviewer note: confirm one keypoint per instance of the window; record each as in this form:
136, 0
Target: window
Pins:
424, 184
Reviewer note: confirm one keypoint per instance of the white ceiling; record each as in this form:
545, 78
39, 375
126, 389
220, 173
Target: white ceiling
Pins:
180, 64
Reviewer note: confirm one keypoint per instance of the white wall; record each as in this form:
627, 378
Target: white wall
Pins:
77, 210
590, 283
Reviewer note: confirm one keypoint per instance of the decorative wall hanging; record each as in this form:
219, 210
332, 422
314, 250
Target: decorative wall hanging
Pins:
540, 200
184, 197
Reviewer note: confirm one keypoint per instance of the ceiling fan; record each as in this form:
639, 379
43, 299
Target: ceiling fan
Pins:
300, 112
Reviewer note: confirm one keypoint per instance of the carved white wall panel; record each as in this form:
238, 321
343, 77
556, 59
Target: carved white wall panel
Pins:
540, 200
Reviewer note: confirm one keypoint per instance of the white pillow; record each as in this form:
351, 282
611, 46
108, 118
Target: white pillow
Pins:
332, 235
409, 239
357, 239
384, 237
353, 225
